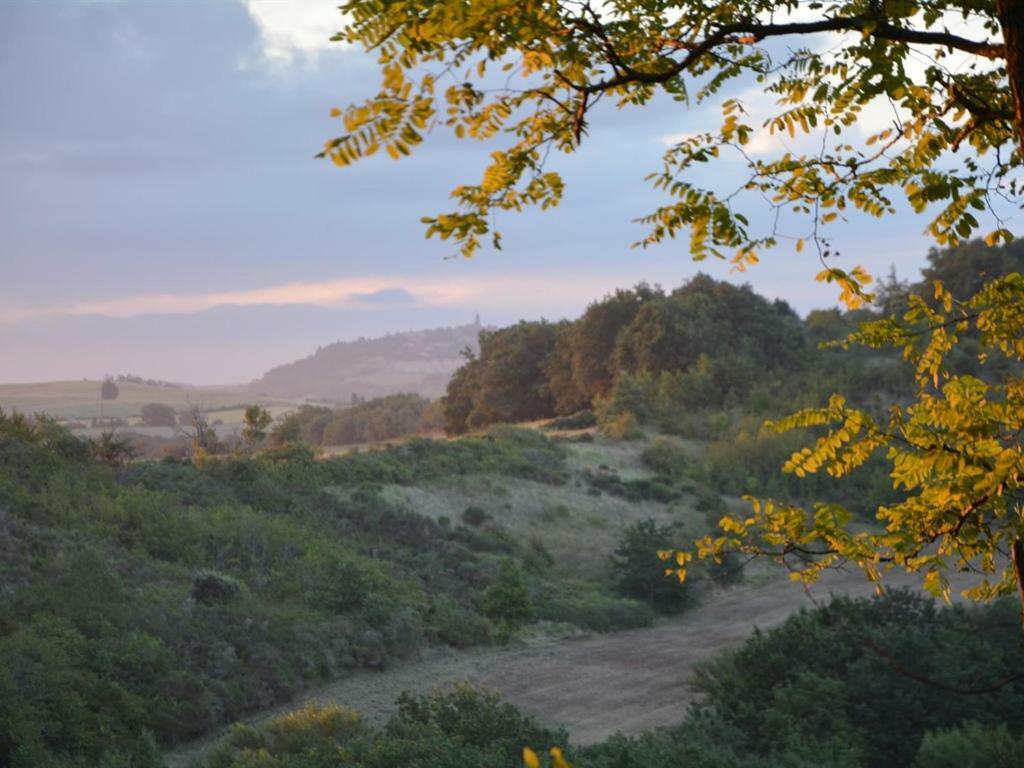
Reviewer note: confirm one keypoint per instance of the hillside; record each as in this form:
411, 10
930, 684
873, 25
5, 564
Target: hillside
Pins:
419, 362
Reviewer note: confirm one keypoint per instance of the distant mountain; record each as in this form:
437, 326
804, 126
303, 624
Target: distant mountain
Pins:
414, 361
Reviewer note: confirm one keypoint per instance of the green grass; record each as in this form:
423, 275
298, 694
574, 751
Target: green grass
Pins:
580, 530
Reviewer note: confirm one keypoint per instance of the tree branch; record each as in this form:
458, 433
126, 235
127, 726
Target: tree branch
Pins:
752, 32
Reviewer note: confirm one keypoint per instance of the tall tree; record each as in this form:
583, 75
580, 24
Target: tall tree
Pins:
597, 333
511, 386
558, 370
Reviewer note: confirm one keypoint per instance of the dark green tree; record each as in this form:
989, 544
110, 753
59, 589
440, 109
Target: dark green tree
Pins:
507, 599
109, 389
639, 570
158, 415
558, 370
458, 400
597, 333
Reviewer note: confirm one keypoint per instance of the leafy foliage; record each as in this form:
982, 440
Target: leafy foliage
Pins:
658, 357
505, 383
372, 421
456, 728
507, 598
948, 92
954, 452
437, 63
164, 600
641, 572
257, 420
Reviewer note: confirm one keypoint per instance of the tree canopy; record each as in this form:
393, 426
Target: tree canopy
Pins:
951, 148
952, 151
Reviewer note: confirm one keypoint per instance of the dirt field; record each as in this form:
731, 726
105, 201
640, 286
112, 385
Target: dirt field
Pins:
595, 686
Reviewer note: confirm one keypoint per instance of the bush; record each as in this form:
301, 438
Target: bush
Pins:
971, 745
456, 728
595, 611
642, 489
474, 516
624, 426
507, 598
641, 572
666, 457
213, 588
310, 736
383, 418
159, 415
580, 420
849, 675
454, 625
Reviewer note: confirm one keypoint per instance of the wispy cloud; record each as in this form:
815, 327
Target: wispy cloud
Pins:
546, 292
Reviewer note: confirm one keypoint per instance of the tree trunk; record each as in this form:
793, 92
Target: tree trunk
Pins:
1017, 555
1011, 19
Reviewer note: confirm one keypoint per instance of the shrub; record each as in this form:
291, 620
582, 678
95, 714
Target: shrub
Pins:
474, 516
666, 457
624, 426
339, 581
580, 420
595, 611
652, 489
971, 745
641, 572
457, 626
507, 599
213, 588
159, 415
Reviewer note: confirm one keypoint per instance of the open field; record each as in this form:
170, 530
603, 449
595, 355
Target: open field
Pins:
578, 526
81, 399
596, 685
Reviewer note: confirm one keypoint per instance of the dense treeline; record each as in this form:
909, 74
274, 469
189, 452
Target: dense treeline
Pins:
689, 360
148, 603
376, 420
893, 682
722, 340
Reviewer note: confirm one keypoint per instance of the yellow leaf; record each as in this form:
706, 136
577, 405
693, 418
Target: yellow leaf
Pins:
557, 759
530, 759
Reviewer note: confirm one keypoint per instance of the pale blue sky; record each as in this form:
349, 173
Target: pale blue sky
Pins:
161, 211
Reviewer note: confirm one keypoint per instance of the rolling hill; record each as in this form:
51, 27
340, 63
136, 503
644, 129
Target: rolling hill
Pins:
420, 362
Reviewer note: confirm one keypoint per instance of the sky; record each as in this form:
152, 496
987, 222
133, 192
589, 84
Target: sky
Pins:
162, 212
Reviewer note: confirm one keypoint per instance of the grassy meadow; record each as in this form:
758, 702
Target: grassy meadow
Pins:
80, 400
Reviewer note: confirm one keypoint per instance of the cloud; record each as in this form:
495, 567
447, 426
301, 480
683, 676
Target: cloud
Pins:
547, 292
295, 30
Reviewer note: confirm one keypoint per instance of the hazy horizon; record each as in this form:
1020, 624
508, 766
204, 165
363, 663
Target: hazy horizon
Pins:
164, 214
